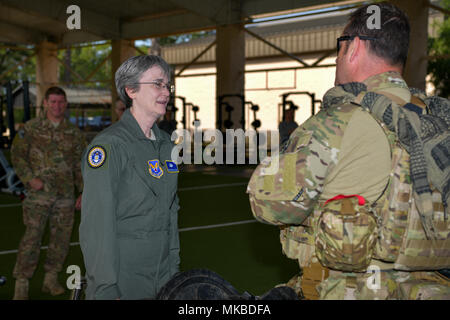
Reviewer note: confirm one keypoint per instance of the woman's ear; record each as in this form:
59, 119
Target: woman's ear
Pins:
130, 92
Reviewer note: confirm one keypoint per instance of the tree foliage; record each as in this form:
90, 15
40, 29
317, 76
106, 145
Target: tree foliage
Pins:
83, 61
9, 58
439, 49
184, 37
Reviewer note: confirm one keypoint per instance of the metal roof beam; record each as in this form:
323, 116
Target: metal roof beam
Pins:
91, 22
276, 48
217, 12
15, 34
176, 24
256, 7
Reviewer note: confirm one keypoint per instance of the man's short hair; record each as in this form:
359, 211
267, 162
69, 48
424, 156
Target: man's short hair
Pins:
393, 36
130, 73
55, 90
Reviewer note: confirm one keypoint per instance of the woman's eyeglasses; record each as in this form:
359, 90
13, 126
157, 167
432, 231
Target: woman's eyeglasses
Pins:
160, 85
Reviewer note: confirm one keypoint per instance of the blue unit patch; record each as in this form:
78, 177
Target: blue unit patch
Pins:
155, 169
96, 157
171, 166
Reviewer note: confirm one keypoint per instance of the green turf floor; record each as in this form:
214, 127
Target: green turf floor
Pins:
247, 255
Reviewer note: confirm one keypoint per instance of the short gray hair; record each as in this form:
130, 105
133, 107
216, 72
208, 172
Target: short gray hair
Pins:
130, 73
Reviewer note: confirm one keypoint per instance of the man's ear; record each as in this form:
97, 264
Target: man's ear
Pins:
354, 49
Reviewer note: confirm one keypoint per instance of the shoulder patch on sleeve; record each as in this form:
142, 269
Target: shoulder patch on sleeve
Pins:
21, 133
171, 166
97, 156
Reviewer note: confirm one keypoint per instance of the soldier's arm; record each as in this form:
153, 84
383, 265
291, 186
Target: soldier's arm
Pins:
98, 227
20, 156
288, 196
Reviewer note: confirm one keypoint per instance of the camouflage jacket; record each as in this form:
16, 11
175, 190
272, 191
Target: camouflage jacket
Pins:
51, 154
342, 150
332, 153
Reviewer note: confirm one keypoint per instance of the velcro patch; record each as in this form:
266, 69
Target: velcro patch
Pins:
171, 166
96, 156
154, 168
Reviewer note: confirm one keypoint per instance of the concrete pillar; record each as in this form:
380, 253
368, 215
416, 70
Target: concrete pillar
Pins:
46, 70
230, 64
155, 48
121, 51
416, 64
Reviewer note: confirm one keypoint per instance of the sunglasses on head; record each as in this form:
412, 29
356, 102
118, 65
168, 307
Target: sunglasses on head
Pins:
346, 38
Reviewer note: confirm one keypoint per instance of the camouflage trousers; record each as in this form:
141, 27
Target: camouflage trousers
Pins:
37, 211
317, 282
387, 285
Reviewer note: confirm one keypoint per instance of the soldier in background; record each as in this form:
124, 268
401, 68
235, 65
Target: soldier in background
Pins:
46, 156
287, 126
329, 195
168, 124
119, 108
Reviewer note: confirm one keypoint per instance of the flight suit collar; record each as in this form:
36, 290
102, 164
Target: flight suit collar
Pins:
136, 130
140, 163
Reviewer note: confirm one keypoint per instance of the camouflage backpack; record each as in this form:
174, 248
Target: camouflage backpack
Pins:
402, 231
345, 235
413, 225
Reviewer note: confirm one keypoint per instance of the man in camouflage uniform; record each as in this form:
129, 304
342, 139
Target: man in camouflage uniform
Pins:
342, 150
287, 126
46, 156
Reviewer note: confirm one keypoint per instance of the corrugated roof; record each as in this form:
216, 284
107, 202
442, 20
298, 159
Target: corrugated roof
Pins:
297, 35
300, 35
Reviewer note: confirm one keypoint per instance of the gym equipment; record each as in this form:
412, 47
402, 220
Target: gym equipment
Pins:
9, 182
186, 113
229, 109
194, 109
2, 280
286, 102
11, 95
256, 123
204, 284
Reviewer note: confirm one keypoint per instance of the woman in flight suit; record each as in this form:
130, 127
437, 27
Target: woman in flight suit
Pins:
129, 229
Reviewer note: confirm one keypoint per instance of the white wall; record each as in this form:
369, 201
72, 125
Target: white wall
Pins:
262, 88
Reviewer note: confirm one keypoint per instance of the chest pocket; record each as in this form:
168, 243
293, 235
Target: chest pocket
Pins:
40, 143
52, 152
345, 235
171, 179
142, 170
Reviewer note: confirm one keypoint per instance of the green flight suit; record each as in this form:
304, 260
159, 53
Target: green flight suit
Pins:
129, 216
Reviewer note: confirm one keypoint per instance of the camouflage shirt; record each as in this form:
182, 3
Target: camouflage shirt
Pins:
51, 154
331, 153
